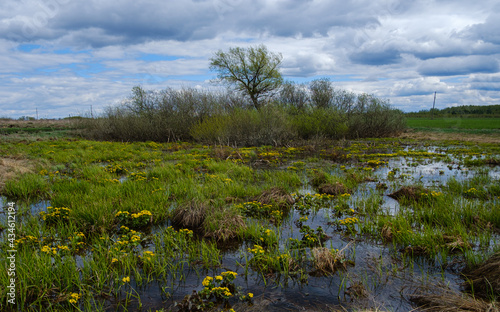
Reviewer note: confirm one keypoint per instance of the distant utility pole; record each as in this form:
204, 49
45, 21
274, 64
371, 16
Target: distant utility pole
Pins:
36, 113
433, 105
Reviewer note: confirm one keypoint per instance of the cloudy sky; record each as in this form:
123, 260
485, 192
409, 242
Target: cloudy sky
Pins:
64, 56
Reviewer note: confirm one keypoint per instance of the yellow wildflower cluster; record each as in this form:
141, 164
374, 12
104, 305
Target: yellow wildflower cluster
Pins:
472, 192
323, 196
186, 232
207, 281
222, 291
348, 221
50, 174
147, 255
432, 194
256, 250
157, 190
126, 279
103, 181
375, 162
219, 178
28, 239
115, 168
65, 248
138, 176
54, 213
49, 250
119, 213
309, 239
128, 240
269, 154
142, 213
230, 275
74, 297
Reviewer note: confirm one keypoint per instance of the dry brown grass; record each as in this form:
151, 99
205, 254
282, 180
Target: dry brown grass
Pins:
190, 215
224, 225
408, 193
327, 261
336, 188
54, 123
357, 290
455, 243
11, 167
276, 196
386, 232
461, 136
447, 300
484, 280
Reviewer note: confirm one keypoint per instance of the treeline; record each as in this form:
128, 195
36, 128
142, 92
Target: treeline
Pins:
293, 112
492, 111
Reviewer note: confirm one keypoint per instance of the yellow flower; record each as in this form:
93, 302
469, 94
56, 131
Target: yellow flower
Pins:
207, 281
114, 260
218, 278
126, 279
250, 295
75, 296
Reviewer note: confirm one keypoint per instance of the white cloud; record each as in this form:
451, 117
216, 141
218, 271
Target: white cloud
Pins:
88, 52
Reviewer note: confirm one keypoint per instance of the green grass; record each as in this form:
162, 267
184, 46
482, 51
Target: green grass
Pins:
492, 124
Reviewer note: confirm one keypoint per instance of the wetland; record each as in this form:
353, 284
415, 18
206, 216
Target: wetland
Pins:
356, 225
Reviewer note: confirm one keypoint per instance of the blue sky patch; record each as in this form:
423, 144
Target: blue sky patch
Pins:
158, 57
28, 47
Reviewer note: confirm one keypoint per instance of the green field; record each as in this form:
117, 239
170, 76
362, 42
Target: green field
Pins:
455, 123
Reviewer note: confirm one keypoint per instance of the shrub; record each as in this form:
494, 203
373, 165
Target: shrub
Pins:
372, 117
244, 127
229, 119
319, 122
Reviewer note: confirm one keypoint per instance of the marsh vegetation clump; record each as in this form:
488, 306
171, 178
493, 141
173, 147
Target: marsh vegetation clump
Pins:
190, 215
224, 224
336, 188
484, 280
443, 299
327, 261
409, 193
276, 196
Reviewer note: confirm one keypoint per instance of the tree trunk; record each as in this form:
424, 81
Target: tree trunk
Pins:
255, 102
